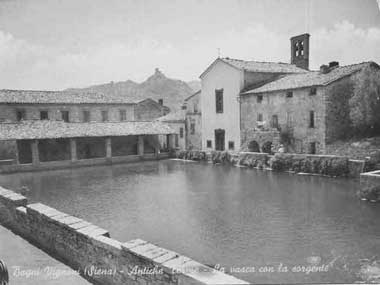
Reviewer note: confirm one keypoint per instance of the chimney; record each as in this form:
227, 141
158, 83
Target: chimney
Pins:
324, 69
300, 50
327, 68
333, 64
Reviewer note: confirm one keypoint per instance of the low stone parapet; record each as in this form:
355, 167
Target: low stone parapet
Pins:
254, 159
329, 165
91, 251
370, 186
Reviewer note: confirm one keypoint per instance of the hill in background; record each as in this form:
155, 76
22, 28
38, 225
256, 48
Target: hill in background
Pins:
156, 87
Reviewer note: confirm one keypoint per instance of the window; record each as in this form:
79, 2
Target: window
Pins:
86, 116
44, 115
231, 145
209, 144
311, 119
274, 121
65, 116
195, 108
123, 115
259, 98
192, 128
259, 117
313, 91
289, 94
161, 101
176, 141
299, 48
219, 100
181, 133
289, 119
313, 148
104, 116
20, 115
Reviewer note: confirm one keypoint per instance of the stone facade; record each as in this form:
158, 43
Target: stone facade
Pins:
193, 122
222, 76
261, 137
292, 118
76, 112
308, 121
149, 110
179, 137
146, 110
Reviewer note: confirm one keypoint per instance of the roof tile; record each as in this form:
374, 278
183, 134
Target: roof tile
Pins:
270, 67
308, 79
58, 129
63, 97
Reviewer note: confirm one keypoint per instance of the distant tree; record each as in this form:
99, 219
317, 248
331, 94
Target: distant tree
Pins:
365, 104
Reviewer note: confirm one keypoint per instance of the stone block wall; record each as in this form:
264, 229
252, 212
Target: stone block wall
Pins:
328, 165
32, 111
148, 110
194, 139
261, 137
97, 257
293, 113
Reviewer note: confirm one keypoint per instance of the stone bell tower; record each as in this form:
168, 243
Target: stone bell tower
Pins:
300, 50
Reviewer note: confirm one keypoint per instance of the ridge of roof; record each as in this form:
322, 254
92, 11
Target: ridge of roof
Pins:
261, 66
177, 116
310, 78
192, 95
63, 97
257, 66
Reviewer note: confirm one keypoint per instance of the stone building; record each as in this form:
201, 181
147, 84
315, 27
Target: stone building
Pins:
177, 121
187, 124
44, 129
221, 85
310, 110
193, 119
17, 105
46, 144
256, 106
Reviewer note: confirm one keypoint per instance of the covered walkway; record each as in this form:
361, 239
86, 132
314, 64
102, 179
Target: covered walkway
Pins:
52, 144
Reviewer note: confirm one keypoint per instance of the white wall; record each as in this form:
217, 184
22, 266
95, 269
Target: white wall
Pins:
230, 79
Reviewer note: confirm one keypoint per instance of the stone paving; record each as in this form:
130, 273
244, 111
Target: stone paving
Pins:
28, 265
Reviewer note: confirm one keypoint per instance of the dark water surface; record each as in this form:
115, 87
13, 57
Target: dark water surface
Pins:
235, 217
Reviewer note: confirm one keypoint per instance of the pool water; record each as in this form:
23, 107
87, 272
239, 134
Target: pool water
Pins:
260, 226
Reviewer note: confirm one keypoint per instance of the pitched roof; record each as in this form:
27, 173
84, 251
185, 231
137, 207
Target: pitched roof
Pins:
63, 97
58, 129
258, 66
192, 95
178, 116
311, 78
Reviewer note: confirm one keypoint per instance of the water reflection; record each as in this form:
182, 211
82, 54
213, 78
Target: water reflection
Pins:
220, 215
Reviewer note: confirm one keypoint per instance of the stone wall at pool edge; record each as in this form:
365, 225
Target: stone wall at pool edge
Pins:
329, 165
370, 186
84, 246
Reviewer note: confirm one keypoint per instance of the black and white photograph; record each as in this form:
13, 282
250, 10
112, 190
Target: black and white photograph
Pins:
189, 142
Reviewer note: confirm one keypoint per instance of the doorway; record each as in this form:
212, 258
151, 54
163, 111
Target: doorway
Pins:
219, 139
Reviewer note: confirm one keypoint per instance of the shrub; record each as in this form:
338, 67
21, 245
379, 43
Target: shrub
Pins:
372, 194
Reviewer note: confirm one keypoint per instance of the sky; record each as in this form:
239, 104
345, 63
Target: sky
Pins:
57, 44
